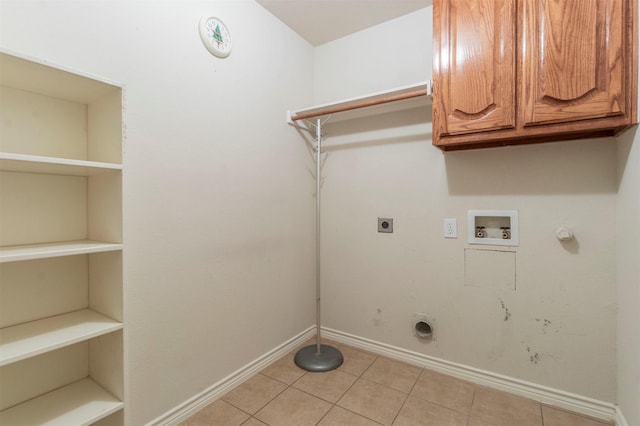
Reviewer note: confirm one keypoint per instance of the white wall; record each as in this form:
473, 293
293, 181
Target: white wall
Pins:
374, 60
628, 248
218, 199
219, 207
558, 328
628, 274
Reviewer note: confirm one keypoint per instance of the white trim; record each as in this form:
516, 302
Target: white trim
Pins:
46, 63
619, 418
546, 395
321, 110
554, 397
206, 397
363, 98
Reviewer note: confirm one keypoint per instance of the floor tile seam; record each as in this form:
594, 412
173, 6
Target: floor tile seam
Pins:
244, 411
325, 414
333, 404
351, 374
440, 405
416, 381
370, 365
233, 406
508, 409
473, 400
254, 418
375, 357
261, 373
468, 414
330, 402
406, 396
357, 414
384, 386
264, 405
345, 392
400, 410
278, 380
316, 396
335, 369
298, 379
391, 387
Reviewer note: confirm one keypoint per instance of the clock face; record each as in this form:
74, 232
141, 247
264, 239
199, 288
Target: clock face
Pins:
215, 36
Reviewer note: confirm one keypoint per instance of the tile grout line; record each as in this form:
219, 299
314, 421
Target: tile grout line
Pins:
335, 404
272, 399
407, 398
473, 399
360, 376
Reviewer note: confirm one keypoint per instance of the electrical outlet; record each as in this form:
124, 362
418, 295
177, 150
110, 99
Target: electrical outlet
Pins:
385, 225
450, 228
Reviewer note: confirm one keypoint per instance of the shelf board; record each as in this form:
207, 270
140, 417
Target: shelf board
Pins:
33, 75
56, 166
374, 103
80, 403
42, 251
33, 338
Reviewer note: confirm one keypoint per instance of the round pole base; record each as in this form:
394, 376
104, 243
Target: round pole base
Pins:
308, 358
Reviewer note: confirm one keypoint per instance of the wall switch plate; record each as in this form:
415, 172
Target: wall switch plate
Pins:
450, 228
385, 225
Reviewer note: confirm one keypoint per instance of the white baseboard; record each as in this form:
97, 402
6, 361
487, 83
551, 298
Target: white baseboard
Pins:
554, 397
206, 397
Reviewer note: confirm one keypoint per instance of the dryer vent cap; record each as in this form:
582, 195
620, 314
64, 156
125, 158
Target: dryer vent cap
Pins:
423, 329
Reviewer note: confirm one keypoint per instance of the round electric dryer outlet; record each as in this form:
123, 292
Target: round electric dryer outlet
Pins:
385, 225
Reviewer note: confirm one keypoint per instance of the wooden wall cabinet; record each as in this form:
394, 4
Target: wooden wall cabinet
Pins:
61, 287
524, 71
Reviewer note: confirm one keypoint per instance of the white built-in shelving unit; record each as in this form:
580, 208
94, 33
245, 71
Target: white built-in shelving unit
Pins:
61, 314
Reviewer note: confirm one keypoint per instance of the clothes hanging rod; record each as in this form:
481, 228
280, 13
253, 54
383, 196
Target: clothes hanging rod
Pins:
422, 89
358, 105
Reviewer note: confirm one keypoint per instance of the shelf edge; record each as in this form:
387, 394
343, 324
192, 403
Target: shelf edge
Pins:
352, 103
59, 324
57, 161
48, 250
80, 391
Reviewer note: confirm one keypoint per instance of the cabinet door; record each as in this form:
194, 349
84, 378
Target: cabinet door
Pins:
474, 66
573, 60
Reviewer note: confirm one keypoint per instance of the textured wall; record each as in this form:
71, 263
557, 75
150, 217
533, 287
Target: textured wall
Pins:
628, 248
558, 327
218, 199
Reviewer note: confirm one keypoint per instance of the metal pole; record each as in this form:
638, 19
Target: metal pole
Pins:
318, 358
318, 155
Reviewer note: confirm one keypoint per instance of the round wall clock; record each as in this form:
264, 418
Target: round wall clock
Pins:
215, 36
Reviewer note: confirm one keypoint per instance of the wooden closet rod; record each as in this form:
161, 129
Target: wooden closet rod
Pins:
360, 104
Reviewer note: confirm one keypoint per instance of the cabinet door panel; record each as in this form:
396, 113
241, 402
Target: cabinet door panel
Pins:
474, 69
572, 59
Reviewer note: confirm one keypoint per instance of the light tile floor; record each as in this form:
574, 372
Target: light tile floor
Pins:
371, 390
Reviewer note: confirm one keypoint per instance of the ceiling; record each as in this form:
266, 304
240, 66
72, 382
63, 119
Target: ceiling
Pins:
321, 21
